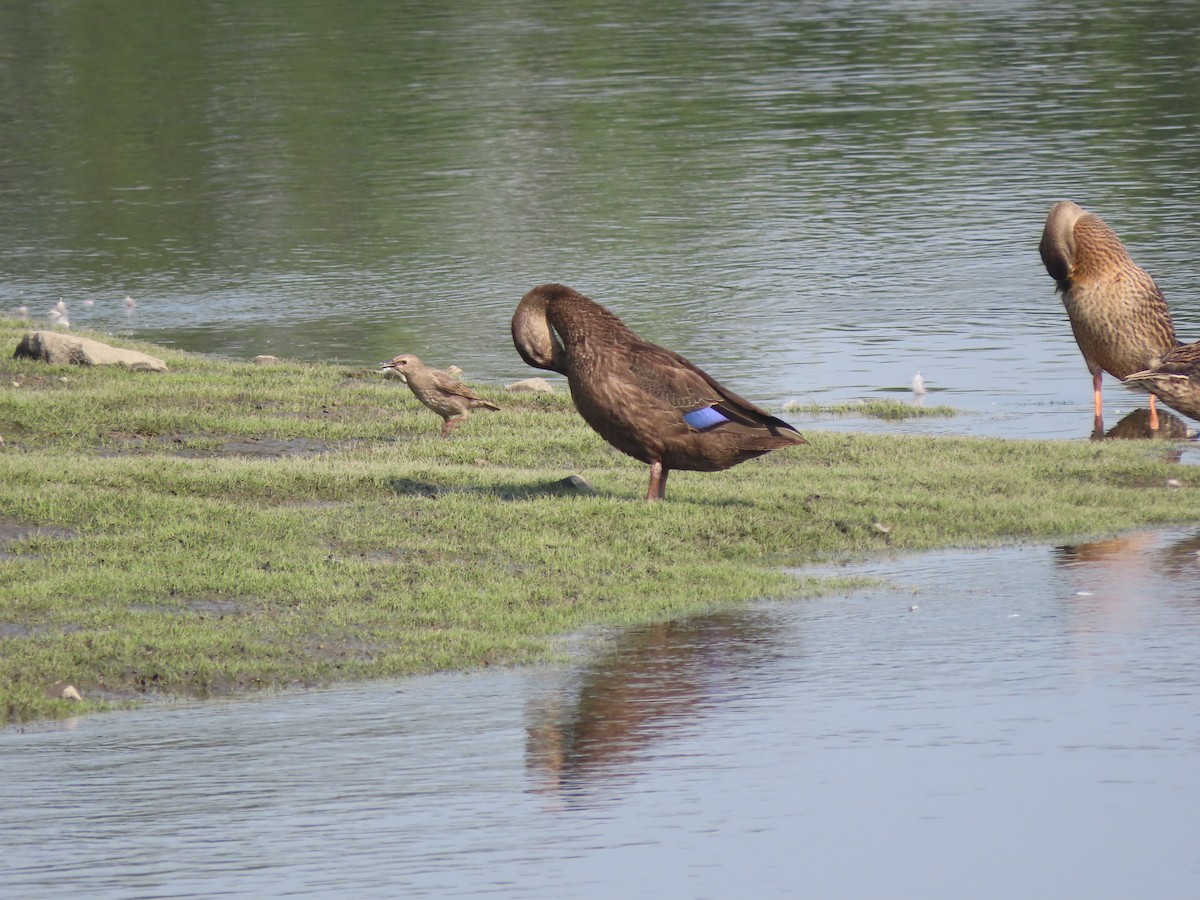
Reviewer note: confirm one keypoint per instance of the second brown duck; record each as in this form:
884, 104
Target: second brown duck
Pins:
1175, 379
648, 402
1118, 314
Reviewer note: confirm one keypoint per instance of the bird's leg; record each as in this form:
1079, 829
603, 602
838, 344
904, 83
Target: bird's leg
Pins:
1153, 414
449, 424
658, 481
1098, 424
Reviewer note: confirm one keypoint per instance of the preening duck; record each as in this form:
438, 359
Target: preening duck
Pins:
648, 402
1118, 315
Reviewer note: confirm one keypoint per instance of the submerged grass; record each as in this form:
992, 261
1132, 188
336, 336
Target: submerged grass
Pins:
888, 410
227, 526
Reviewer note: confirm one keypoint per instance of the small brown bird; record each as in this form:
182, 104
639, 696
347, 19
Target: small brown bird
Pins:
440, 391
1175, 379
1118, 314
648, 402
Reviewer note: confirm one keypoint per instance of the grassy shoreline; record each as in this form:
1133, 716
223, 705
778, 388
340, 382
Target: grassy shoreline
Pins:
228, 527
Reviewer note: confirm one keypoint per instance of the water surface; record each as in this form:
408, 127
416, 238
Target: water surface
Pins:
812, 200
1010, 723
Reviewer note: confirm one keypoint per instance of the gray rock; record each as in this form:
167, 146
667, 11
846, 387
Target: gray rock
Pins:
540, 385
574, 483
265, 359
67, 349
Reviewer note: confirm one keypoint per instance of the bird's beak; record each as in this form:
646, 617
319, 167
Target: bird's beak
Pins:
389, 367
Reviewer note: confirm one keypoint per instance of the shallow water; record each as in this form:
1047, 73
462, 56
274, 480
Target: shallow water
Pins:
1011, 723
813, 201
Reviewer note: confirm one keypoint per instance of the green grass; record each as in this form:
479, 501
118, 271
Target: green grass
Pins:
227, 527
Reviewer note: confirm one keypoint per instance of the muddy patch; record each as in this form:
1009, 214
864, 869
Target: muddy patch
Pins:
204, 607
572, 484
201, 446
13, 532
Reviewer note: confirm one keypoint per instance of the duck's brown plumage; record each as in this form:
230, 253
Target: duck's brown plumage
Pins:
648, 402
1175, 380
1118, 314
440, 391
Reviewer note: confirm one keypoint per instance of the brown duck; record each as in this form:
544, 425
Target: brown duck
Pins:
1175, 379
440, 391
648, 402
1118, 314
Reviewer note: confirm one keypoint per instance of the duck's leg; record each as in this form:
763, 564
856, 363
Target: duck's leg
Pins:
1098, 424
658, 481
1153, 414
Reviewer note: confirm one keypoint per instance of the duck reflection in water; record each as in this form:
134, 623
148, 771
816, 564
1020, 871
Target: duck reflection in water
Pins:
657, 680
1117, 588
1137, 426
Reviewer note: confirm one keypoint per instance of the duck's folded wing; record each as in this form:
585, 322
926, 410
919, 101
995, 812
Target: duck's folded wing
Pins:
703, 402
1184, 361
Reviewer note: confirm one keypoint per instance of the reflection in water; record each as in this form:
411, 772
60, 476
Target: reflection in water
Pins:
975, 727
653, 680
1136, 426
1127, 565
1120, 584
1176, 562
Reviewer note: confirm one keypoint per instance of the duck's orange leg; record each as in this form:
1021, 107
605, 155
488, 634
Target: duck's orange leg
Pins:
658, 481
1153, 414
1098, 424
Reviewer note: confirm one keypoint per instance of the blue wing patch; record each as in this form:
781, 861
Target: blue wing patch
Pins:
705, 417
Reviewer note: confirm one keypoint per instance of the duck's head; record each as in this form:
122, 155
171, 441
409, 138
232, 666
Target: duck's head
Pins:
1058, 240
533, 336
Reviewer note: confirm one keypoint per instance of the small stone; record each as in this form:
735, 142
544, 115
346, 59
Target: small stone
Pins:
1174, 483
575, 483
70, 692
535, 385
265, 359
63, 349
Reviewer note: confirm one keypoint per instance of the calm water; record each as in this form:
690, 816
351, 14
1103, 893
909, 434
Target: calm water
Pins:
813, 200
1016, 723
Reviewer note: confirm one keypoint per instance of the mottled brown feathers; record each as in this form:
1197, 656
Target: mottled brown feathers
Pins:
438, 390
1175, 380
1117, 313
645, 400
